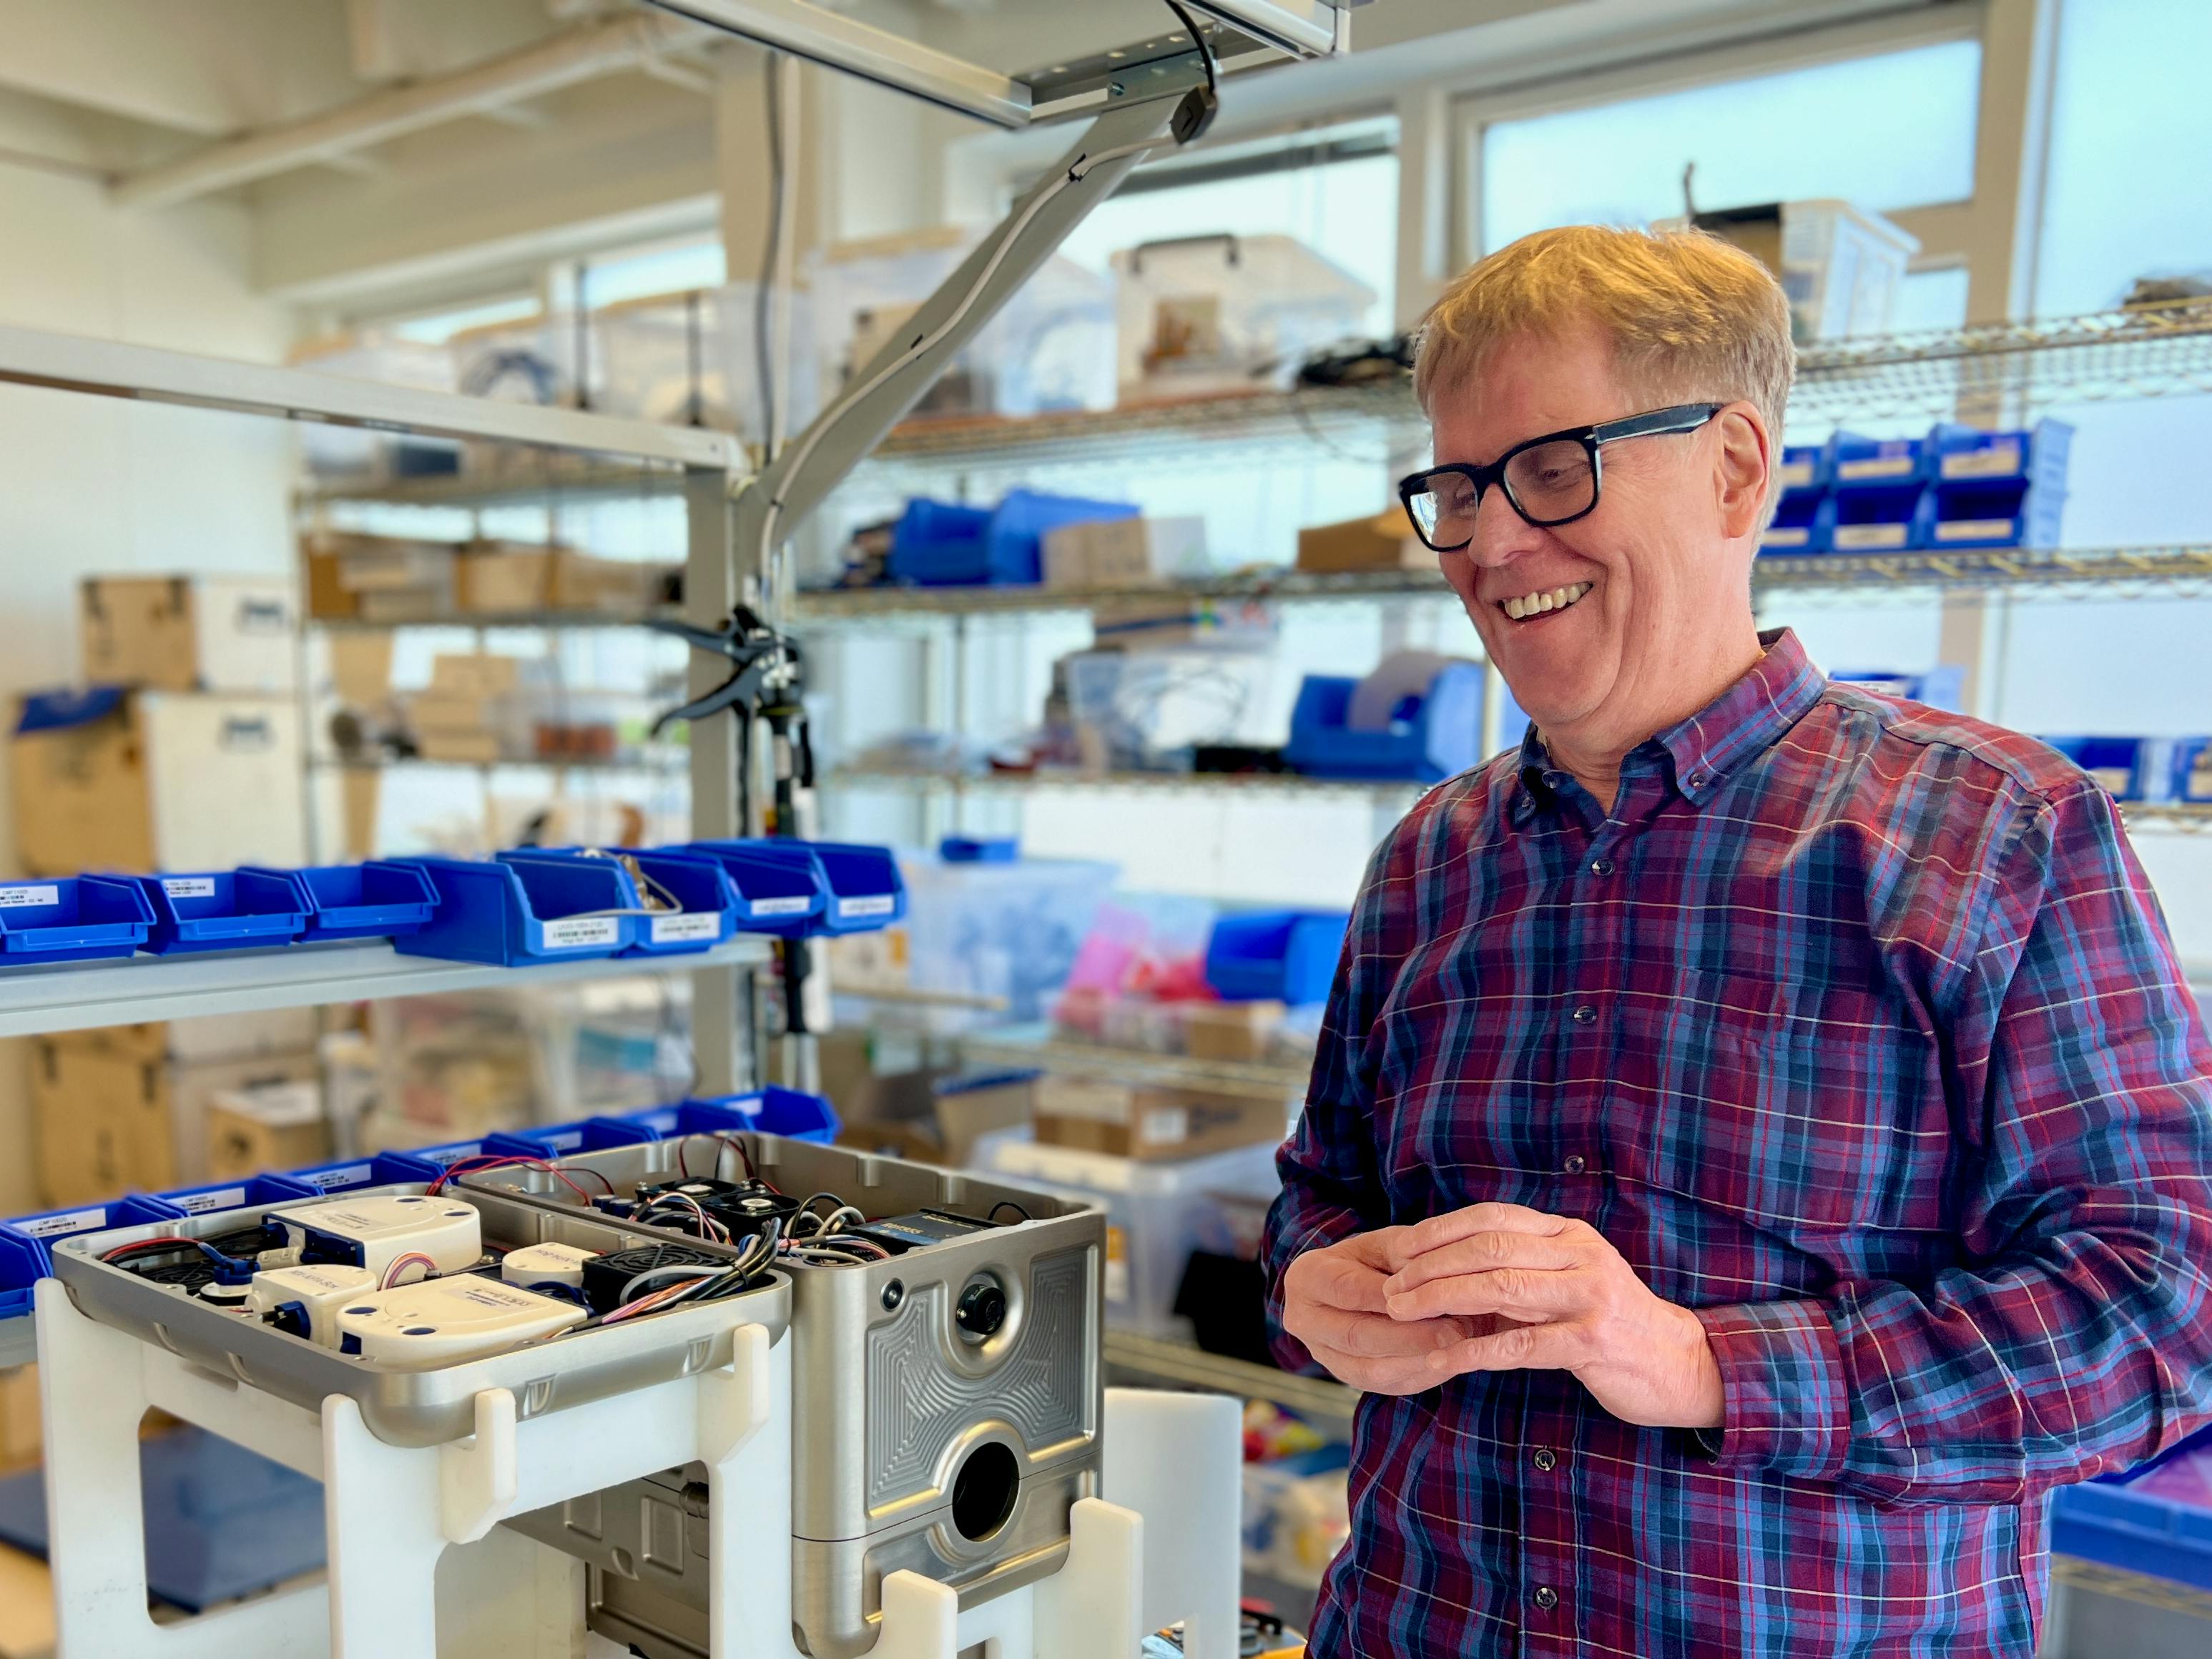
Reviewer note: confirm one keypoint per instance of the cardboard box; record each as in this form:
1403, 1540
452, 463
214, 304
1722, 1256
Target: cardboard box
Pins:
1124, 552
496, 578
270, 1125
108, 1122
619, 587
485, 673
458, 746
190, 633
391, 564
1231, 1030
1152, 1125
158, 781
1387, 542
329, 599
19, 1417
501, 578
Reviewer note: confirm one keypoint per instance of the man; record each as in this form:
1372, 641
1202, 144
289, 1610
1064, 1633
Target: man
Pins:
1759, 1141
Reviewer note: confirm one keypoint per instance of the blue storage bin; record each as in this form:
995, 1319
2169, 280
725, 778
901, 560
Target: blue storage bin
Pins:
539, 910
860, 886
1943, 686
2126, 769
709, 904
254, 1192
2142, 1532
939, 544
980, 849
1281, 956
791, 1113
552, 1140
1856, 463
1802, 470
1440, 735
777, 896
25, 1240
2190, 771
72, 919
1998, 489
223, 910
350, 1174
378, 900
1804, 522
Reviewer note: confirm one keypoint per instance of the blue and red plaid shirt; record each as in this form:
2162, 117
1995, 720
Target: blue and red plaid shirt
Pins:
1856, 1028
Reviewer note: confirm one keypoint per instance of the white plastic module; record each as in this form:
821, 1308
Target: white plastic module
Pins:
443, 1322
546, 1264
375, 1232
320, 1289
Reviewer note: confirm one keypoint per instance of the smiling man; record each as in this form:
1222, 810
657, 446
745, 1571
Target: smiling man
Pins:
1760, 1136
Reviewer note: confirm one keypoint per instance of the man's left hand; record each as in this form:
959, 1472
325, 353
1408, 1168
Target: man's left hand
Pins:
1573, 1302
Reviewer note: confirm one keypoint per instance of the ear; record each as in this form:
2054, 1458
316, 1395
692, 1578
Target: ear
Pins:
1746, 462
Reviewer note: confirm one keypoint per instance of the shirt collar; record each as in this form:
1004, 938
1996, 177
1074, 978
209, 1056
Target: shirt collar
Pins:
1742, 721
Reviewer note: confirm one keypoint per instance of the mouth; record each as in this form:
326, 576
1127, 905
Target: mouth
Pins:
1527, 607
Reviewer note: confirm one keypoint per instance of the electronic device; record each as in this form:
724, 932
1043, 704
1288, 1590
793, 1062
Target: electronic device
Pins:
606, 1280
948, 1384
376, 1232
305, 1300
442, 1321
546, 1264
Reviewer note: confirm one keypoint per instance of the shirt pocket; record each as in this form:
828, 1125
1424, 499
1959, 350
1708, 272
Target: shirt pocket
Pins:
1803, 1108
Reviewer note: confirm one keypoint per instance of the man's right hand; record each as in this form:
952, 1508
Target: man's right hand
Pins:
1333, 1302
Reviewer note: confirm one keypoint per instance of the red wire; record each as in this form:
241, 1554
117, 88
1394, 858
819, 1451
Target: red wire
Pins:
145, 1244
483, 1162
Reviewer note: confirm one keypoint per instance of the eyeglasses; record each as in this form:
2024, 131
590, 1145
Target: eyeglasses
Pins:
1550, 481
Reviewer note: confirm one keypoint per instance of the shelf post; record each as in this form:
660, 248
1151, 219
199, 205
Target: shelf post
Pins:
721, 998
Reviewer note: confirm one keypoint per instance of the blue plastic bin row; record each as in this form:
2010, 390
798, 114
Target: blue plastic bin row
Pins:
2149, 769
1431, 737
1279, 956
26, 1241
1956, 488
528, 905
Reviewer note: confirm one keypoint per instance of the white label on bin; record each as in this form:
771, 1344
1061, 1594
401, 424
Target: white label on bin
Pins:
674, 930
15, 899
1785, 536
1870, 535
188, 886
564, 1143
1117, 1264
2113, 780
572, 932
875, 904
200, 1203
1796, 475
53, 1226
352, 1175
798, 906
1998, 461
1876, 467
1974, 529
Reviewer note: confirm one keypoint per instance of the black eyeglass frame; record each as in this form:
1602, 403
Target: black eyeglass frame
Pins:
1680, 417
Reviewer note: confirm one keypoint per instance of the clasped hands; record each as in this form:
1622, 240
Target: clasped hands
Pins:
1497, 1287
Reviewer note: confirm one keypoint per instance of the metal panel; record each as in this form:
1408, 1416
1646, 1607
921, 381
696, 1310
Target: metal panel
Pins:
76, 996
110, 368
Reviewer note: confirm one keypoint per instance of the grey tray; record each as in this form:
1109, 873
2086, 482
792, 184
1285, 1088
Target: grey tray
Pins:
421, 1407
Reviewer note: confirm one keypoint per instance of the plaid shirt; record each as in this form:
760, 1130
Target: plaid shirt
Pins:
1856, 1028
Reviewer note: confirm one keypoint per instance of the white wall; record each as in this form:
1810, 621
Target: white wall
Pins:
94, 484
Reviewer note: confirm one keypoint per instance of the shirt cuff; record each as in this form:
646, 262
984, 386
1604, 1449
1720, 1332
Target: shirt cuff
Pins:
1785, 1403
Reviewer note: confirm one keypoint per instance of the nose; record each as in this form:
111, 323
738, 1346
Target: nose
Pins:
1501, 535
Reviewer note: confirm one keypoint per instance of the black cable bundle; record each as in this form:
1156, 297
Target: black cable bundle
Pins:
606, 1277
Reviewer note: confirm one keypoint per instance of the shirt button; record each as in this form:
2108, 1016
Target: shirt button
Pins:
1575, 1166
1600, 867
1585, 1015
1544, 1460
1696, 781
1546, 1597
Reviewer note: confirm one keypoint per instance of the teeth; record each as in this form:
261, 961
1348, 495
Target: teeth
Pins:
1536, 605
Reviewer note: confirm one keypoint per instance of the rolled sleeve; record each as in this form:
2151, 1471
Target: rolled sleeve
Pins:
1785, 1400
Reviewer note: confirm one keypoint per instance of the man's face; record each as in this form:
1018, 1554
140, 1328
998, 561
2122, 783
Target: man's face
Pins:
1665, 558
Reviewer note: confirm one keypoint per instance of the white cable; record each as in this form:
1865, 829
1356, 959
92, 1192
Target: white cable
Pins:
1075, 174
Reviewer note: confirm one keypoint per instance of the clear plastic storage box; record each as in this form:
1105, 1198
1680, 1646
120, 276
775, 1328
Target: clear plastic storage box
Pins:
1204, 315
1051, 347
693, 359
1155, 1213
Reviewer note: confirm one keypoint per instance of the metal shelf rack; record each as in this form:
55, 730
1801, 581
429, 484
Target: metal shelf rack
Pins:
563, 449
1250, 784
1027, 1046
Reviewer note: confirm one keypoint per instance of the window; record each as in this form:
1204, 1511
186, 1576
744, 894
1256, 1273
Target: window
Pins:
636, 275
436, 328
1888, 131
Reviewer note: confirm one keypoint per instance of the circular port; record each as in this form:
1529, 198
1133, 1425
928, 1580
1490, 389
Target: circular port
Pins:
982, 1312
983, 1492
